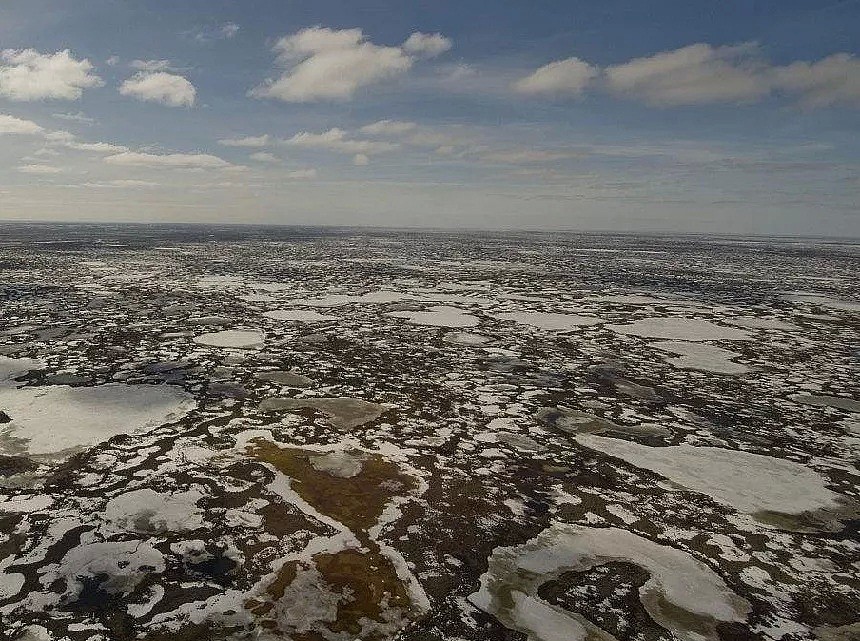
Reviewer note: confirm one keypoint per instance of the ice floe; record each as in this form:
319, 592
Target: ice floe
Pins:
682, 329
701, 356
550, 321
749, 483
233, 338
145, 510
682, 594
343, 413
439, 316
299, 315
837, 402
55, 421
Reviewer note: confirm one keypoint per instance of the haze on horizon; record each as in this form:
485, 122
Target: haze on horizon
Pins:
618, 115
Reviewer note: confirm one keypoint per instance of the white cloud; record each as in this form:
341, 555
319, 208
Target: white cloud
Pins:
183, 161
360, 160
131, 182
265, 156
122, 183
336, 140
229, 29
13, 125
525, 156
327, 64
247, 141
830, 81
427, 45
570, 76
224, 31
59, 136
26, 74
77, 117
39, 169
302, 174
150, 66
97, 147
388, 128
692, 75
161, 87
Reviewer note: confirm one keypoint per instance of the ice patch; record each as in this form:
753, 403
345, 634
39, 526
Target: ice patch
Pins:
11, 368
757, 322
439, 316
148, 511
234, 338
838, 402
343, 413
58, 420
124, 564
300, 315
699, 356
681, 329
698, 597
550, 321
749, 483
465, 338
26, 504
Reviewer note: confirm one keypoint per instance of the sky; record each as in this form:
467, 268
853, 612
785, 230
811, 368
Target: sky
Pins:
618, 115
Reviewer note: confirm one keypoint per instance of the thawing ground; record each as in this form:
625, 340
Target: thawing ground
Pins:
321, 435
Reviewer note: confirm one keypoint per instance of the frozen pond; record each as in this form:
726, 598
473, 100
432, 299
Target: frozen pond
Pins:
439, 316
234, 338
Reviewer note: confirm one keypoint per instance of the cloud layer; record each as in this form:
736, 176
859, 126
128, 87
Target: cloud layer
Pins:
182, 161
701, 74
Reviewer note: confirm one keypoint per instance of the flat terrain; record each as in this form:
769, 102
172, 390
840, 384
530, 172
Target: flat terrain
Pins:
320, 435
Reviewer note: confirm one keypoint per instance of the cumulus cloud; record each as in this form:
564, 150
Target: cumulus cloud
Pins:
427, 45
161, 87
179, 161
571, 76
13, 125
247, 141
26, 74
327, 64
692, 75
337, 140
830, 81
388, 128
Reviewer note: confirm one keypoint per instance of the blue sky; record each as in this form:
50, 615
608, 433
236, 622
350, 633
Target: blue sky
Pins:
661, 116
